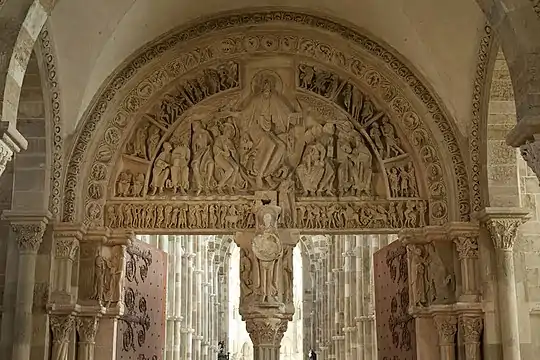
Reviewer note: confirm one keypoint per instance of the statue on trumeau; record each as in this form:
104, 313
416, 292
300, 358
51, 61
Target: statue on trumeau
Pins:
267, 248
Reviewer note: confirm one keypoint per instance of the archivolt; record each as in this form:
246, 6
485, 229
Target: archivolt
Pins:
147, 76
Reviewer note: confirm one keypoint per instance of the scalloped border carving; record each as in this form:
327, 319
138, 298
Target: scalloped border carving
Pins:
191, 60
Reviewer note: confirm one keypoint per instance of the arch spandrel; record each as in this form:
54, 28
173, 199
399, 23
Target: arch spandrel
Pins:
409, 116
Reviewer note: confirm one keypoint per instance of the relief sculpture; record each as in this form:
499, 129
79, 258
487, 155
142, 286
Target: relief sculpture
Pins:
238, 215
267, 139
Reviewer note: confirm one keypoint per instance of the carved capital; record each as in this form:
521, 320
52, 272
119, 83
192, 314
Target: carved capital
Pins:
467, 246
87, 328
66, 248
61, 326
66, 239
472, 329
502, 224
29, 235
447, 328
503, 232
266, 331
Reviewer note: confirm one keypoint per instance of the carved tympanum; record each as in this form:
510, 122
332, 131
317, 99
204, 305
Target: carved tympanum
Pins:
266, 138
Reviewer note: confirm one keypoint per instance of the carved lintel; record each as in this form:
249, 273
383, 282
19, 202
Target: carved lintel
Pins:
502, 224
446, 328
266, 331
87, 328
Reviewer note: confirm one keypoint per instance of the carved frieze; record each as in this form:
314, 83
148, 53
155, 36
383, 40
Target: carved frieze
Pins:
237, 215
234, 45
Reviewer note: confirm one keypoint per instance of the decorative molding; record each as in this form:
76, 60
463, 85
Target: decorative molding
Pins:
53, 93
101, 104
479, 112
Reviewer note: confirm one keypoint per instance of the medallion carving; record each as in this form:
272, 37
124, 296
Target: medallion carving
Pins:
196, 131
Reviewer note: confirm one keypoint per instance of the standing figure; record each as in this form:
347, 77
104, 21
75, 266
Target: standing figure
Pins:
180, 169
161, 170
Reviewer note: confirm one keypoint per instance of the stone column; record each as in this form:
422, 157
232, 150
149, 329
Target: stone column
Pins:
198, 291
471, 330
178, 298
349, 325
446, 328
359, 292
187, 330
66, 246
502, 224
87, 327
28, 230
61, 326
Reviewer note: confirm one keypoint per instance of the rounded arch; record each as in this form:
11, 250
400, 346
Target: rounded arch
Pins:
397, 92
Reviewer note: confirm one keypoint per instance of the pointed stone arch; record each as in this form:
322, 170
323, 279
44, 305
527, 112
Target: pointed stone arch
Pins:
143, 89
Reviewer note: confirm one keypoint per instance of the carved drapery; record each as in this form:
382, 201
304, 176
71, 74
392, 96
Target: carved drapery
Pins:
316, 83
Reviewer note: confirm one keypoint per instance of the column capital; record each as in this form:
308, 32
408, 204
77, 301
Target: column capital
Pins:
266, 331
467, 246
61, 326
6, 154
502, 224
446, 328
472, 328
66, 239
87, 327
28, 228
